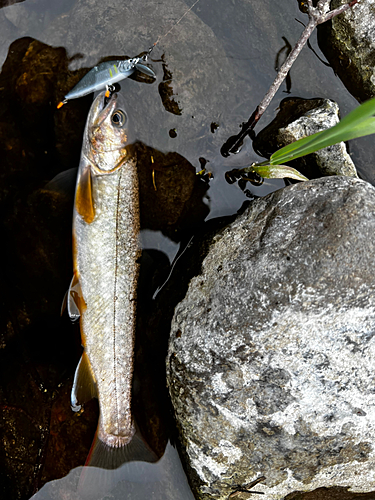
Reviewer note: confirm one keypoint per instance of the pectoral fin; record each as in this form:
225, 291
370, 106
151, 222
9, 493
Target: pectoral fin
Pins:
84, 385
84, 203
64, 182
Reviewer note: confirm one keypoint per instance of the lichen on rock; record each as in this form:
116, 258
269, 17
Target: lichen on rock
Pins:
348, 41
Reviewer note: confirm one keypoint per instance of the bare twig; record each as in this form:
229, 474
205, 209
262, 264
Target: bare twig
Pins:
317, 15
338, 11
247, 487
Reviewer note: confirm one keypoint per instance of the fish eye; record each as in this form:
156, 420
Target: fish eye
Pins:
118, 118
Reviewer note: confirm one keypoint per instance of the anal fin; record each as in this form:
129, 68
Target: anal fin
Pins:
84, 385
73, 300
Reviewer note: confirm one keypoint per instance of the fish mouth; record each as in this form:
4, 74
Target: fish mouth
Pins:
105, 106
107, 145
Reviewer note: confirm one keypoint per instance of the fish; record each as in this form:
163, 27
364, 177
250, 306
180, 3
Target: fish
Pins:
103, 291
106, 74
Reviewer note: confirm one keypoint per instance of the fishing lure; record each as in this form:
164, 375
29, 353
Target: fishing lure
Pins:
106, 74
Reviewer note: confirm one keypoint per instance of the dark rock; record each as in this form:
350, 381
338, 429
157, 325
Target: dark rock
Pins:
168, 189
271, 351
6, 3
335, 493
166, 92
348, 43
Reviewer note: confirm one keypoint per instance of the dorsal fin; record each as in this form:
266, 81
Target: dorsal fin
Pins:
84, 202
84, 385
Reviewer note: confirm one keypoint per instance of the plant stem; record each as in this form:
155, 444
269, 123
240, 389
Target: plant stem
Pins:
317, 15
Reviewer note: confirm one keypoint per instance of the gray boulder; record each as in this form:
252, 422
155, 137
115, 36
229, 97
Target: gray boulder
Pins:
271, 356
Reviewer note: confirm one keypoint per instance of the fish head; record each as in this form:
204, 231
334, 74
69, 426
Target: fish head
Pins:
108, 138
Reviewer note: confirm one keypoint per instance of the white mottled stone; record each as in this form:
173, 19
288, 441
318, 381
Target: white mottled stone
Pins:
276, 346
333, 160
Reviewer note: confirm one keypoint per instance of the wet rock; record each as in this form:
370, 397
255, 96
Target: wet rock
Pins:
333, 160
166, 92
300, 118
168, 184
348, 42
36, 140
290, 110
271, 352
335, 493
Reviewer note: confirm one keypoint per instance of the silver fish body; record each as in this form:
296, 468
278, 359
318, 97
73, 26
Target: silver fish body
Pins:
106, 253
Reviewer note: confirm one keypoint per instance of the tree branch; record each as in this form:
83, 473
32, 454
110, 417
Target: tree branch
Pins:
338, 11
317, 15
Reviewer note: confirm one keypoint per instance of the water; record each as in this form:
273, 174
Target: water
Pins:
133, 481
217, 64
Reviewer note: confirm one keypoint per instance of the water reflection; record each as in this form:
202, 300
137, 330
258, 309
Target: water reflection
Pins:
164, 480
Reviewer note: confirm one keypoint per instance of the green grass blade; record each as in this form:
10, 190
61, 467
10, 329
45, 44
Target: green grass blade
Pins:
278, 172
357, 123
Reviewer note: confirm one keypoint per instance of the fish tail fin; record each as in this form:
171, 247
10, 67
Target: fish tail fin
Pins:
110, 457
99, 475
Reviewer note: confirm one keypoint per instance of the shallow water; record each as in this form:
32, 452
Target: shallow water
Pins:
217, 63
132, 481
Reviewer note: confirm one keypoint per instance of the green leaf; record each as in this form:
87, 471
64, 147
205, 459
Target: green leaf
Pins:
278, 172
357, 123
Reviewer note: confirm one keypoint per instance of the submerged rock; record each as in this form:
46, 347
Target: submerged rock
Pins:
271, 353
348, 41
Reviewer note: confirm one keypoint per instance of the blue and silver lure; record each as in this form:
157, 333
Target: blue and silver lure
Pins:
105, 74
